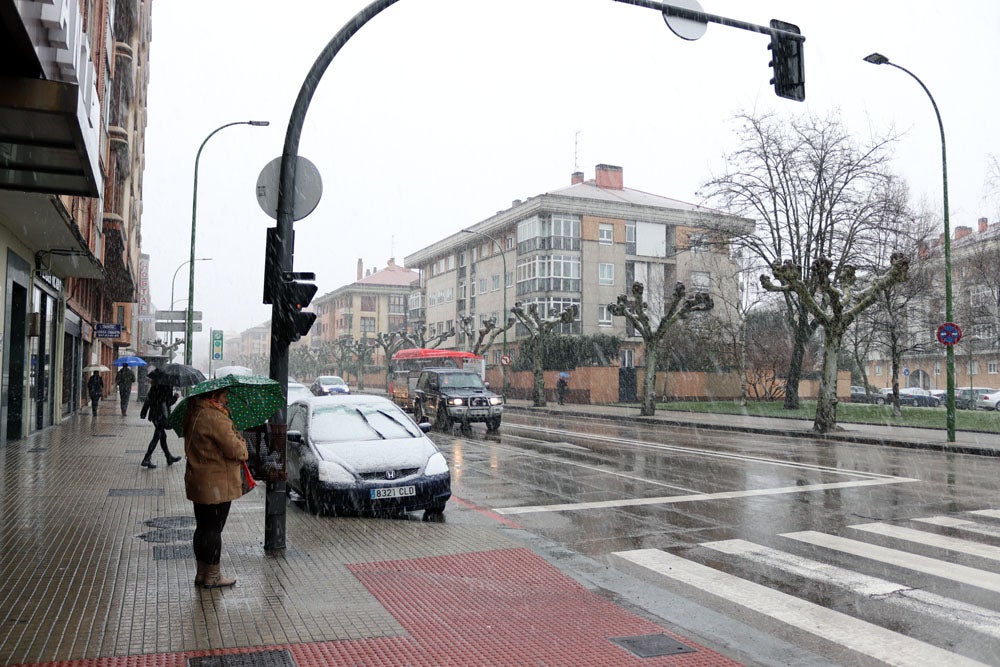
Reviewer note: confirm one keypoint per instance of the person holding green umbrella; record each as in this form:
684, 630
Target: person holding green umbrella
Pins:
214, 450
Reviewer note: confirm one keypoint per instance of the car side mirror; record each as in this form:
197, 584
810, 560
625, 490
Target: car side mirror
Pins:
486, 384
424, 426
294, 436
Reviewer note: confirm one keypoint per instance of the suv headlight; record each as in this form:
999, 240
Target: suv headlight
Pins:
455, 401
436, 465
331, 473
496, 400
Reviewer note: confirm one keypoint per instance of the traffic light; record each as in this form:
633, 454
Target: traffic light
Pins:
786, 61
293, 296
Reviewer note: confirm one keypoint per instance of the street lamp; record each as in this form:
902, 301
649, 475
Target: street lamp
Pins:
879, 59
503, 257
172, 300
189, 326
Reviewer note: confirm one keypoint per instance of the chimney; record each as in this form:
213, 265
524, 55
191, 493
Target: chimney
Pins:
391, 263
962, 231
609, 177
361, 268
516, 202
984, 224
576, 178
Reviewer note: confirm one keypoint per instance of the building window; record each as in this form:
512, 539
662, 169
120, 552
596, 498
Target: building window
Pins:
451, 262
701, 281
368, 303
606, 234
991, 368
937, 368
461, 289
451, 294
367, 325
397, 303
973, 367
483, 286
878, 369
496, 282
509, 242
606, 274
628, 358
509, 279
698, 242
604, 316
461, 258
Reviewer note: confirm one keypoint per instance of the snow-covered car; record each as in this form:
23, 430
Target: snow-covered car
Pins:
297, 390
989, 400
859, 395
361, 454
917, 397
325, 385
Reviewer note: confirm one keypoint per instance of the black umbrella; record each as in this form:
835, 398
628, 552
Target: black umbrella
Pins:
177, 375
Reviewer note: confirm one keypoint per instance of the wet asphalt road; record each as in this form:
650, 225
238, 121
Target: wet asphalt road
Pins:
598, 487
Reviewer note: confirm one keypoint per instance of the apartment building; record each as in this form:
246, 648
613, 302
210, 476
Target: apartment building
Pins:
73, 78
583, 245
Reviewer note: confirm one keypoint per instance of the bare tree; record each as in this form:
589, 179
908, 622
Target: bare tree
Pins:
636, 311
810, 187
486, 335
538, 328
830, 297
391, 343
419, 337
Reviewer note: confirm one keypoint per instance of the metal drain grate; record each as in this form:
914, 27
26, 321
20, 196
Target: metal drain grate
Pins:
135, 492
37, 449
256, 659
652, 646
173, 552
170, 522
168, 535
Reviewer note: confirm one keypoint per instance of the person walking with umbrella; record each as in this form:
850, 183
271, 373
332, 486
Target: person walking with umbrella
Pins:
215, 450
562, 386
156, 408
124, 381
95, 389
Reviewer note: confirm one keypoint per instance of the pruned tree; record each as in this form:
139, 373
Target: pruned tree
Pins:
391, 343
362, 351
830, 295
814, 193
483, 337
419, 337
636, 311
538, 328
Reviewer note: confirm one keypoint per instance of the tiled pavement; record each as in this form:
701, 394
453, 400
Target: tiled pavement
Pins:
96, 569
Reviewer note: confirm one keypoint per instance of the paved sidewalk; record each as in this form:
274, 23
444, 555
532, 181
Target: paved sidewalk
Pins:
96, 569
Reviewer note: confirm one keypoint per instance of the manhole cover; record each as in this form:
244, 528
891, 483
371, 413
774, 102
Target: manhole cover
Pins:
651, 646
170, 522
256, 659
173, 552
135, 492
37, 449
168, 535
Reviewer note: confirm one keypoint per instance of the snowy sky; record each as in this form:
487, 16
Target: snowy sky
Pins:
439, 113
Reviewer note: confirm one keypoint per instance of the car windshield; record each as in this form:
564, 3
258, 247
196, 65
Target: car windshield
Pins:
331, 379
461, 381
360, 422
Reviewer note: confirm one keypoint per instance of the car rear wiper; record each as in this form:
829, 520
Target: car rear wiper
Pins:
369, 424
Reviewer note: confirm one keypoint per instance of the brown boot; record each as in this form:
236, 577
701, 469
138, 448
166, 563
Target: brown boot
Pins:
199, 578
214, 578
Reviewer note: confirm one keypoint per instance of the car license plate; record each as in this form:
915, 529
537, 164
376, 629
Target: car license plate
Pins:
394, 492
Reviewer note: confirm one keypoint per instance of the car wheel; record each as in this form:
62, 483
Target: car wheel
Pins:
880, 401
997, 406
418, 413
493, 425
443, 421
434, 513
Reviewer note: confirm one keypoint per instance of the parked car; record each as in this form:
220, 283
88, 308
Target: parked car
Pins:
918, 397
989, 400
450, 396
297, 390
325, 385
965, 396
859, 395
362, 454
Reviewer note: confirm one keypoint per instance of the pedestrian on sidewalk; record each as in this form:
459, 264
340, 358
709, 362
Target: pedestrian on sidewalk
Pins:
156, 409
562, 386
214, 450
124, 381
95, 389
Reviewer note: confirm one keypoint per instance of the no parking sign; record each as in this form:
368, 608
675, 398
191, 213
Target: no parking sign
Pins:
949, 333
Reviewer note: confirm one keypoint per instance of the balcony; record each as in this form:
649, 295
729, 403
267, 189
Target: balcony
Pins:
120, 283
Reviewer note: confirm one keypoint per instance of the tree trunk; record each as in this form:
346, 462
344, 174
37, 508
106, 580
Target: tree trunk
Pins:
741, 362
648, 408
539, 376
803, 332
826, 407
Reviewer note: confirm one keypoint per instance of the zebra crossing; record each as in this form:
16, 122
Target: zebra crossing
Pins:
871, 595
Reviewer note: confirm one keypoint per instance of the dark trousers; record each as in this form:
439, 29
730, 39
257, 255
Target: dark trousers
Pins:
94, 400
159, 436
209, 522
124, 393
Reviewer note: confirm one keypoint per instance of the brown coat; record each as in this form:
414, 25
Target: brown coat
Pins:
214, 449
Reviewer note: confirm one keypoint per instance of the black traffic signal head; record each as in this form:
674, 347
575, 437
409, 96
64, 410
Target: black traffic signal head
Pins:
292, 322
786, 62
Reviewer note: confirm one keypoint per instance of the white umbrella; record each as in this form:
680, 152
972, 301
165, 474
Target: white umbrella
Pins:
96, 367
223, 371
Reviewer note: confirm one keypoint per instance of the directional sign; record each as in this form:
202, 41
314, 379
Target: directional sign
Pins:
108, 330
176, 315
176, 326
216, 344
949, 333
505, 359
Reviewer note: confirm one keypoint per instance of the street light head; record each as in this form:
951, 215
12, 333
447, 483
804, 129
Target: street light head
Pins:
877, 59
259, 123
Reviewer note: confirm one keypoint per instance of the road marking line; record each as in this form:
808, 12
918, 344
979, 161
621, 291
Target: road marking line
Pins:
671, 500
993, 514
962, 525
857, 635
942, 609
952, 571
987, 551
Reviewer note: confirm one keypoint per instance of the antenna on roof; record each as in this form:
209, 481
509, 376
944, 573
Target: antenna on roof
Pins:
392, 246
576, 150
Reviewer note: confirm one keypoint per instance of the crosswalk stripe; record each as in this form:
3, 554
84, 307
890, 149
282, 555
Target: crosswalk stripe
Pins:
993, 514
852, 633
987, 551
943, 610
938, 568
962, 525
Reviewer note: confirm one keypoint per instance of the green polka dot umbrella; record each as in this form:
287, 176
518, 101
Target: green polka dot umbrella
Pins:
252, 400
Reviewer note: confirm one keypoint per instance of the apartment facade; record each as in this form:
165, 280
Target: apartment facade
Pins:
582, 245
73, 79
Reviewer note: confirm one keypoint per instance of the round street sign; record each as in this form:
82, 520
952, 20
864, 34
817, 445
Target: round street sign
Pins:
308, 188
686, 28
949, 333
505, 360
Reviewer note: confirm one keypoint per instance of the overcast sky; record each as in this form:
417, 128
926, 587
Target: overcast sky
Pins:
439, 113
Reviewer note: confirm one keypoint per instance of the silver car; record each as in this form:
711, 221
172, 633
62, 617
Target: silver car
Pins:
361, 454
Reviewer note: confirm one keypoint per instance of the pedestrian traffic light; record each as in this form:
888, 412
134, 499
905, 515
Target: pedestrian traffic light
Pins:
293, 296
786, 62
